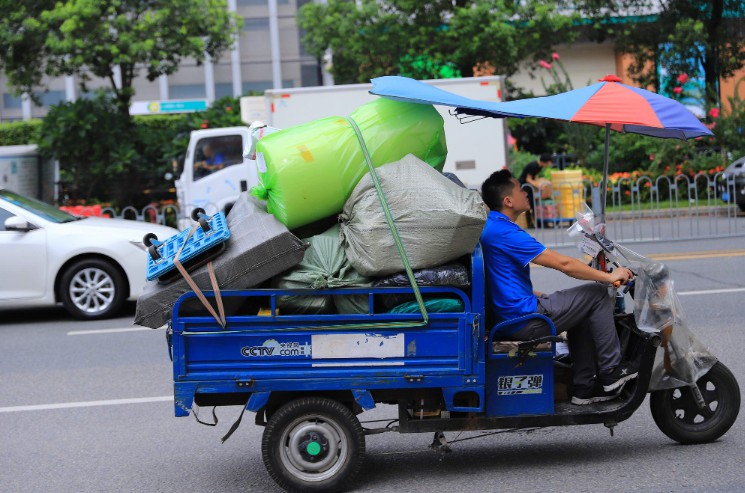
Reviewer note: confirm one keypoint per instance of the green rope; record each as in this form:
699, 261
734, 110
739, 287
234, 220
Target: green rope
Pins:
390, 221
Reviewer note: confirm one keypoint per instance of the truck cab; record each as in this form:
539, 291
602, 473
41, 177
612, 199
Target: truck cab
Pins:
214, 170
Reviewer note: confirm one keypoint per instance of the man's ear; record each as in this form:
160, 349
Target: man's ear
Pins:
507, 202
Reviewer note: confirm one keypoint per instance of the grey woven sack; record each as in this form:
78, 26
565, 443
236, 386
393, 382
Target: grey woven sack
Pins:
437, 220
259, 248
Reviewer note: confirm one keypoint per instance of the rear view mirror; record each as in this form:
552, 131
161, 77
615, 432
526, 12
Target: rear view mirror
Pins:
16, 223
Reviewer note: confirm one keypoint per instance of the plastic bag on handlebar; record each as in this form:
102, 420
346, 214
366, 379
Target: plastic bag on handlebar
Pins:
682, 358
585, 223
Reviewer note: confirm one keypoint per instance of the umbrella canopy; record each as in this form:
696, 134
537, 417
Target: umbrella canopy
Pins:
624, 108
608, 103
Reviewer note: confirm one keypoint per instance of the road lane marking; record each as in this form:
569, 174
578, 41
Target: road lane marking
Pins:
697, 255
68, 405
106, 331
711, 291
677, 256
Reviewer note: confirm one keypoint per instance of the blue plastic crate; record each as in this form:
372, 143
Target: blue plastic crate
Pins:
200, 247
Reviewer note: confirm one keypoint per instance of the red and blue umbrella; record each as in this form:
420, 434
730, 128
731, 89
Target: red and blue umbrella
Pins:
608, 104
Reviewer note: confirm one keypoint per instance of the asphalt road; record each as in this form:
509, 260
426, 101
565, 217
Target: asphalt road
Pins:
84, 408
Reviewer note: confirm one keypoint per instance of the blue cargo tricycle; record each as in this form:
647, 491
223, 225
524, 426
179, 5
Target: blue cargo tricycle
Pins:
307, 376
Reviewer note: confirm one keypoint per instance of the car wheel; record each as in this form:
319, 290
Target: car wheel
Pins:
92, 289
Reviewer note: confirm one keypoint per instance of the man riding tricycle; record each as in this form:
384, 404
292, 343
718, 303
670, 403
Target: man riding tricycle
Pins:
307, 374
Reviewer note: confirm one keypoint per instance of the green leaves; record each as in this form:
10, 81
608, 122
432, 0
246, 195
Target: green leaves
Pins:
435, 39
84, 37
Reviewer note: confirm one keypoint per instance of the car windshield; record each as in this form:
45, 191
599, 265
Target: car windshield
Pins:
41, 209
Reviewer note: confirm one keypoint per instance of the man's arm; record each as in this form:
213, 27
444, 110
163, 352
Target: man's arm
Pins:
576, 269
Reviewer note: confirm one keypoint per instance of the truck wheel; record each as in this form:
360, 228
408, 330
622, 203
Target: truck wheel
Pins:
313, 444
678, 416
92, 289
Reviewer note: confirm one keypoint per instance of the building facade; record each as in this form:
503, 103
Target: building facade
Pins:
269, 55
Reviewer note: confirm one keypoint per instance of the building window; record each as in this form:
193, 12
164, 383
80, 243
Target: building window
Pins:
309, 76
223, 89
256, 23
258, 3
11, 102
258, 87
52, 98
187, 91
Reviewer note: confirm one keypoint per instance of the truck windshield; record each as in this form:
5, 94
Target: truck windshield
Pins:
41, 209
216, 153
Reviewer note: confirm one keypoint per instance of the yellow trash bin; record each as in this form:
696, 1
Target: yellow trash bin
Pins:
571, 191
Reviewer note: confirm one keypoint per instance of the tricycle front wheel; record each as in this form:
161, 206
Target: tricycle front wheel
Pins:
313, 444
678, 416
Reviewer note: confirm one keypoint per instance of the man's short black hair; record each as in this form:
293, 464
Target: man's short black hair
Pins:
495, 188
546, 157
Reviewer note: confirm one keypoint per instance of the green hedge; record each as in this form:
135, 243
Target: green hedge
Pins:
20, 133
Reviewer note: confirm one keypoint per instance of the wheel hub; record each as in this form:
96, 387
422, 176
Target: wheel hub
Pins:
92, 290
313, 447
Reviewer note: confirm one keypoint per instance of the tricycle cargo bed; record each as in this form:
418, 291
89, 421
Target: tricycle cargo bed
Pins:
262, 350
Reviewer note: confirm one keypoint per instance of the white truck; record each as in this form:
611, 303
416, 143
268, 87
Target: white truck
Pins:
475, 150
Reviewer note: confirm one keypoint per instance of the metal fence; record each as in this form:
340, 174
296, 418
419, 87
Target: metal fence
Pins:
645, 209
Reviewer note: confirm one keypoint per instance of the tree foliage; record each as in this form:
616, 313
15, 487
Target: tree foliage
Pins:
371, 38
95, 147
694, 37
89, 38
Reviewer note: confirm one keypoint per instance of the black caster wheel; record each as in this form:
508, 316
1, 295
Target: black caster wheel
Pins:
153, 252
199, 215
147, 240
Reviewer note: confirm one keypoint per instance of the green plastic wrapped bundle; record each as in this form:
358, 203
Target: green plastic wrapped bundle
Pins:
324, 266
307, 172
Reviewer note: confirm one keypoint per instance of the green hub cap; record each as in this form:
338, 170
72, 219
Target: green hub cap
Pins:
313, 448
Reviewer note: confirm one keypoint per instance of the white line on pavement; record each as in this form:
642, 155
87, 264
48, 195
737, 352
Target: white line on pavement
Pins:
711, 291
67, 405
106, 331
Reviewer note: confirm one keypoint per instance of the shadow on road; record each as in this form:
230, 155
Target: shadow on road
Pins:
48, 314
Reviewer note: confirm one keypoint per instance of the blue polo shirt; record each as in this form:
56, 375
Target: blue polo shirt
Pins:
508, 251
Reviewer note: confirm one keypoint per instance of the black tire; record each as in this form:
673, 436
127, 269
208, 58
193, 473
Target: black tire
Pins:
676, 414
195, 213
92, 289
313, 444
147, 240
154, 254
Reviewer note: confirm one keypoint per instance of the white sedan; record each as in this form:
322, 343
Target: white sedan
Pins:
89, 264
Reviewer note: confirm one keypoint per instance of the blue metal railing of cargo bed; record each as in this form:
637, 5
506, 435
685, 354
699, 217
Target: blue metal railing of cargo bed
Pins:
256, 355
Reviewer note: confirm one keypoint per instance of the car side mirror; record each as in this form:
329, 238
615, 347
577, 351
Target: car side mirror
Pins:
16, 223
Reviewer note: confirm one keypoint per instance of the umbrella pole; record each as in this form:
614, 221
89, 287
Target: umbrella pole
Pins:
604, 184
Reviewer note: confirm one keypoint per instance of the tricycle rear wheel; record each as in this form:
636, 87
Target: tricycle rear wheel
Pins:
313, 444
678, 416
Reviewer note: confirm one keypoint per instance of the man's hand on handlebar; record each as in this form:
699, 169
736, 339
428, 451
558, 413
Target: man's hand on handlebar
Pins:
620, 275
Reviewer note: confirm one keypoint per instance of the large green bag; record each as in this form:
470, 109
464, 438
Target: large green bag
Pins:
307, 172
